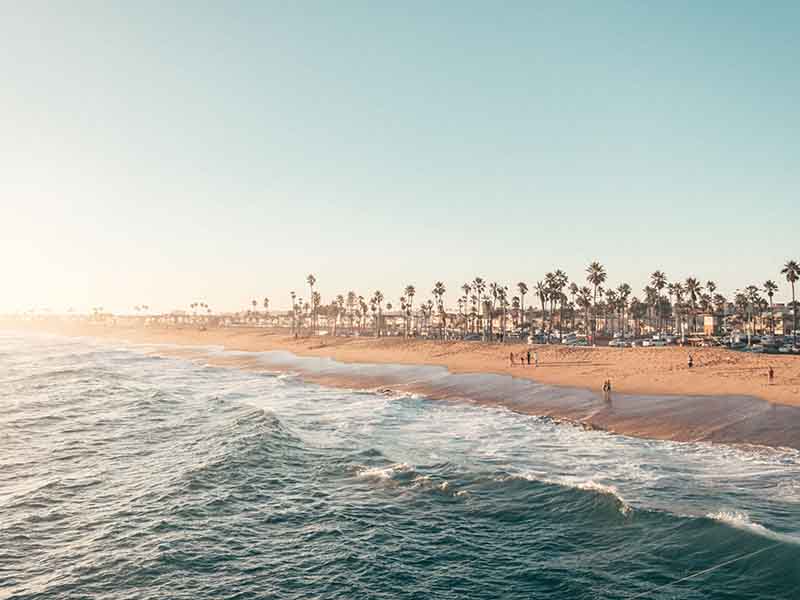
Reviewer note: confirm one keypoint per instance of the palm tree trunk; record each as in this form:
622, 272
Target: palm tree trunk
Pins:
794, 317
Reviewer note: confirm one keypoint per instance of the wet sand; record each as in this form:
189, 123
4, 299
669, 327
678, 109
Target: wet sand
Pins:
724, 398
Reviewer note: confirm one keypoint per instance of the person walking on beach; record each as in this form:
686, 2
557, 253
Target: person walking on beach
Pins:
607, 390
535, 359
690, 361
770, 375
511, 359
529, 358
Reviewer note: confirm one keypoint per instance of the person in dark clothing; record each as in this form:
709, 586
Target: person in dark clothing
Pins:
529, 358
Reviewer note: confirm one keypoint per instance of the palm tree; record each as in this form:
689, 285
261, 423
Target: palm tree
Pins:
362, 305
658, 280
377, 297
595, 275
612, 303
623, 292
339, 310
410, 292
311, 280
541, 293
294, 310
523, 289
791, 270
693, 290
502, 297
438, 293
316, 301
479, 285
751, 293
351, 303
770, 287
560, 281
466, 288
494, 289
679, 290
637, 311
266, 305
585, 302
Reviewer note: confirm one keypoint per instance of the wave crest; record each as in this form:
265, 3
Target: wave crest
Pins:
741, 520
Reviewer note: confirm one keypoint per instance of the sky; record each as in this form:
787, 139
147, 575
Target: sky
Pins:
167, 153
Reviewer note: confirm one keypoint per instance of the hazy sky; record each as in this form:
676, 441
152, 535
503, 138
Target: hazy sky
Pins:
165, 153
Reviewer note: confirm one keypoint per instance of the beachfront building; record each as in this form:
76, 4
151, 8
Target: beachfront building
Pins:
780, 317
712, 325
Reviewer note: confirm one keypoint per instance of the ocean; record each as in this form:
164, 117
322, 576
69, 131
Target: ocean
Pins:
129, 475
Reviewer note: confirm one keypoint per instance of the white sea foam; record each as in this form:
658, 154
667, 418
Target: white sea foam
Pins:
741, 520
384, 473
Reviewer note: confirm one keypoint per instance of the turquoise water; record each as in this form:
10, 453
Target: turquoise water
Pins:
124, 475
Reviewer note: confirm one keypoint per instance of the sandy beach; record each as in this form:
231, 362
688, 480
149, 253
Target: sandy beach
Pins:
660, 371
725, 397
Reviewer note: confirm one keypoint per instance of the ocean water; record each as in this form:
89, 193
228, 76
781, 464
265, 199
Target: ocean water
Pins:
127, 475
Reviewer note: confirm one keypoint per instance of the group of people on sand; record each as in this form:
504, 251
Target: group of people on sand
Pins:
522, 358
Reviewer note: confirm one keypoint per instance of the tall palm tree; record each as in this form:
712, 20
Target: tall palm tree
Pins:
479, 285
502, 301
595, 275
466, 288
679, 290
311, 280
693, 291
612, 303
552, 292
585, 302
573, 292
753, 297
671, 289
523, 289
316, 302
541, 293
623, 293
438, 293
791, 270
339, 310
658, 279
494, 294
378, 298
560, 281
351, 303
362, 307
770, 287
294, 310
410, 292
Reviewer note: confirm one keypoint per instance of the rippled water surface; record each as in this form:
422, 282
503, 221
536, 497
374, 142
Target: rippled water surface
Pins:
125, 475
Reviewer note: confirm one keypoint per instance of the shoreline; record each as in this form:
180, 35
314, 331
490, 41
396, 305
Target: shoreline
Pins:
641, 371
476, 373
